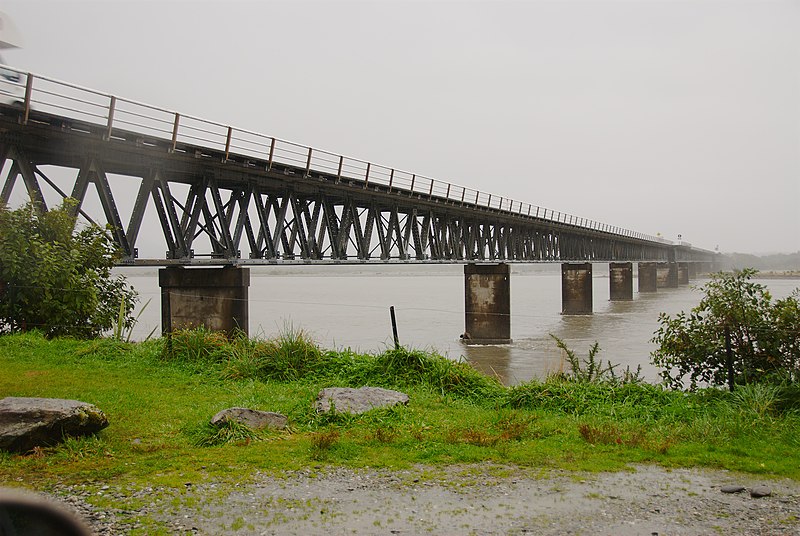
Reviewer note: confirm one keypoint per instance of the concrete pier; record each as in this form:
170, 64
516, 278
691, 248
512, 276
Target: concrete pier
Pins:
683, 273
648, 277
215, 298
487, 303
620, 276
576, 289
667, 273
692, 270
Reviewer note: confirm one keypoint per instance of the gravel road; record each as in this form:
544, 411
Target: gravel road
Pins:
465, 499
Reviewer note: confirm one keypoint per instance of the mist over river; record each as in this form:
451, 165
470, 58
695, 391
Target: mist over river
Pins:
343, 306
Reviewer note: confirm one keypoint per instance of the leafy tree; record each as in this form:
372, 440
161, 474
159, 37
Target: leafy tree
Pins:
764, 335
57, 279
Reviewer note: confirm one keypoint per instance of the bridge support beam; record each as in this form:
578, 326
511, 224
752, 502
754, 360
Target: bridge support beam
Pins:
576, 289
648, 277
667, 274
487, 303
620, 277
683, 273
215, 298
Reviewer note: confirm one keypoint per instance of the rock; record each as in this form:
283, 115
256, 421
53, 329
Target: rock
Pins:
760, 491
26, 423
252, 418
355, 401
733, 488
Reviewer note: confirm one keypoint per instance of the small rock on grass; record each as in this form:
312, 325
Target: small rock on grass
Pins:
356, 401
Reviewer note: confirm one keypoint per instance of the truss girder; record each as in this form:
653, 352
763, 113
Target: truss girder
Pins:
275, 224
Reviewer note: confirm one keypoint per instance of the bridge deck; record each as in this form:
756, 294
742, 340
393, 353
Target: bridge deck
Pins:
280, 201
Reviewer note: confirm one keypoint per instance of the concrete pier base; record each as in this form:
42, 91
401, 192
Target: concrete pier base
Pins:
215, 298
648, 277
620, 276
576, 289
487, 303
667, 273
683, 273
692, 270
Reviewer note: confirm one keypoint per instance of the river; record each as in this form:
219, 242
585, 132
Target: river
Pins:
347, 306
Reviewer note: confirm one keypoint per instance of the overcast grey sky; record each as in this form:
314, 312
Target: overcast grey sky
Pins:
660, 116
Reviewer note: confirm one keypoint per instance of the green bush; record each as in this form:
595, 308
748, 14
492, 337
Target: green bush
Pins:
56, 279
764, 336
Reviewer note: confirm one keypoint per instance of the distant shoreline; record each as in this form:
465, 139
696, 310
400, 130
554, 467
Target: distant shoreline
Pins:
789, 274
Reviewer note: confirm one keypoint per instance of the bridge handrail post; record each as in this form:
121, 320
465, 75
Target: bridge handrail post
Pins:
366, 175
339, 172
430, 191
109, 124
308, 163
28, 92
175, 126
228, 143
271, 153
391, 180
463, 193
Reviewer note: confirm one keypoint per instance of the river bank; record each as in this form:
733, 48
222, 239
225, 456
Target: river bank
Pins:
542, 456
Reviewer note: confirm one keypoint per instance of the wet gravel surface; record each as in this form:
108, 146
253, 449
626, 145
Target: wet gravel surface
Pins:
465, 499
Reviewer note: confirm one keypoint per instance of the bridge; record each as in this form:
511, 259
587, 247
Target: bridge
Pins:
252, 199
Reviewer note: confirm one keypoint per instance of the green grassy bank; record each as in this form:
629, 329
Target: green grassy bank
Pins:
159, 396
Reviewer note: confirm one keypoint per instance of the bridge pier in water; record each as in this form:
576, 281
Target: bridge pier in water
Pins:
576, 289
692, 270
683, 273
620, 276
487, 303
648, 277
214, 298
667, 274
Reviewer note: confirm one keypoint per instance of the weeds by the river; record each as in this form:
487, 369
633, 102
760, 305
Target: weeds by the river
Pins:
592, 369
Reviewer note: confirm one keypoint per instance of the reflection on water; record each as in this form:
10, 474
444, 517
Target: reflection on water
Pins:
492, 360
348, 307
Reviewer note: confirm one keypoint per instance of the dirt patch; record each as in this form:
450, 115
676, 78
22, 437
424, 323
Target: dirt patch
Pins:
474, 499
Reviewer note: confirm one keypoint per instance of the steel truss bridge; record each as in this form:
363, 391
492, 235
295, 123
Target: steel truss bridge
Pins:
218, 191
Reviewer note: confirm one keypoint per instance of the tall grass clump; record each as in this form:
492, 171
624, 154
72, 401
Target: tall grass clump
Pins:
592, 387
290, 356
405, 367
197, 348
210, 435
640, 400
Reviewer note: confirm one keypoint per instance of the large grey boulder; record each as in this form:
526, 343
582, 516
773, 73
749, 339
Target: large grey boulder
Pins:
26, 423
355, 401
252, 418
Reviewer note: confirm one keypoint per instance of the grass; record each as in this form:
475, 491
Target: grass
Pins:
160, 394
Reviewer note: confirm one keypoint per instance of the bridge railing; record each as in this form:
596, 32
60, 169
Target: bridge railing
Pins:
120, 116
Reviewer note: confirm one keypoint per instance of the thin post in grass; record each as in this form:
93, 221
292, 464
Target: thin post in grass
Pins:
729, 357
394, 328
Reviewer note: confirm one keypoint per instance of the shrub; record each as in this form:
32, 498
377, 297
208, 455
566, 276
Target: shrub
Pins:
764, 336
57, 279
